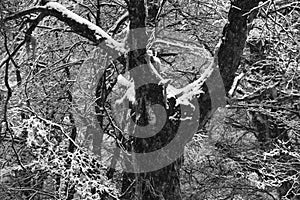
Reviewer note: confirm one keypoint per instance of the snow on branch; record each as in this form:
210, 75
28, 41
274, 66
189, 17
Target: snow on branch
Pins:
235, 84
95, 34
191, 47
78, 24
183, 96
70, 17
187, 93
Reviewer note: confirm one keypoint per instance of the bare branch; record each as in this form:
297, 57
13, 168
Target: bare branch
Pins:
118, 23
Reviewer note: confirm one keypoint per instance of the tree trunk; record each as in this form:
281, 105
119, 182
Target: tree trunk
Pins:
70, 190
228, 54
164, 183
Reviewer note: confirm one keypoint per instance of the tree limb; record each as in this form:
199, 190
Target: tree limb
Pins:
77, 23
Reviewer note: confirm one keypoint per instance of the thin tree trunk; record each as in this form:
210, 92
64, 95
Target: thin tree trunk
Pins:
71, 191
229, 54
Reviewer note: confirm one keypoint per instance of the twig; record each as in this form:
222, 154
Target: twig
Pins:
130, 186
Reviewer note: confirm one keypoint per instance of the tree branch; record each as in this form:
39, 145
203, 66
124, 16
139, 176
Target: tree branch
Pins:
80, 26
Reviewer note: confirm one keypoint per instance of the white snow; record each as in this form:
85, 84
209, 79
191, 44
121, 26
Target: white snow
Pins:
234, 85
185, 95
190, 91
129, 95
100, 34
123, 81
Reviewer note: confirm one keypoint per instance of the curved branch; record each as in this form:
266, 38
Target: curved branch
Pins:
118, 23
78, 24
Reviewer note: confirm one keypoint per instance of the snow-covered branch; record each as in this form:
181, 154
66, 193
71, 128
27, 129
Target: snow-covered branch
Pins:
78, 24
183, 95
97, 35
191, 47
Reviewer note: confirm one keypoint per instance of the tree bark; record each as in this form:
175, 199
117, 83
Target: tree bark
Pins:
163, 183
228, 54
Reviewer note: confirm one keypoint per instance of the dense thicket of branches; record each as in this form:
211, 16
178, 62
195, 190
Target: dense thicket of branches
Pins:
73, 97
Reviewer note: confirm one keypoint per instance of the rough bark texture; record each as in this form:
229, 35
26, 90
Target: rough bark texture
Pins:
234, 38
163, 183
228, 55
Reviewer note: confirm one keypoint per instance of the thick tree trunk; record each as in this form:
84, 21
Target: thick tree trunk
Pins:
164, 183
